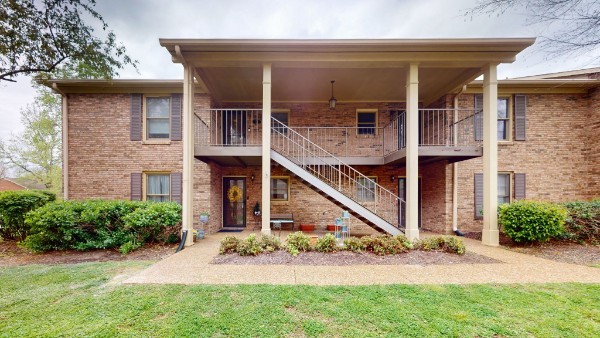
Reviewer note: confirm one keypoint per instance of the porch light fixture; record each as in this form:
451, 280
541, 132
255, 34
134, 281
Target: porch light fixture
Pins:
332, 100
252, 178
393, 178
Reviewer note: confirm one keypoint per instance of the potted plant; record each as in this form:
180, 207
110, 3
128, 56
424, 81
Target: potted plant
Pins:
307, 227
330, 227
204, 217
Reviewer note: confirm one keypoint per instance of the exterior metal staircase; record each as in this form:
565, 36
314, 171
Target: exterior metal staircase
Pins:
375, 204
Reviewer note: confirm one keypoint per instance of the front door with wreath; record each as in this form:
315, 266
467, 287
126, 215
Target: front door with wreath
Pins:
234, 202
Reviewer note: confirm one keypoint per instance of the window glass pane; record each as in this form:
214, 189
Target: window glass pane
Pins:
158, 128
158, 106
366, 118
503, 130
281, 117
503, 188
502, 108
279, 189
365, 189
158, 184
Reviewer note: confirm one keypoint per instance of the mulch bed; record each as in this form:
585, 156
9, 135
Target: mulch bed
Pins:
560, 251
412, 257
13, 255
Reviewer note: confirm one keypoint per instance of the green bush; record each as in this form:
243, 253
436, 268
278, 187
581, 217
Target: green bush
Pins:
14, 205
99, 224
441, 243
531, 221
270, 243
297, 242
386, 244
327, 243
354, 244
583, 221
250, 246
229, 244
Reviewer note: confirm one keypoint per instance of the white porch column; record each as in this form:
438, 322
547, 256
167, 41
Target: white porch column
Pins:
266, 150
412, 152
188, 153
490, 156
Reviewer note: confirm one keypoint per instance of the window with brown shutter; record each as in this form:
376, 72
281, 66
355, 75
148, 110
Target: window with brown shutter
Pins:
176, 134
176, 183
478, 185
136, 186
520, 191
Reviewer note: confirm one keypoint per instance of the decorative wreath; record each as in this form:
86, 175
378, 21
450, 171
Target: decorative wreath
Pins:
234, 194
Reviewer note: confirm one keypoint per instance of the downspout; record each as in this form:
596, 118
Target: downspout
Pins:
455, 169
65, 142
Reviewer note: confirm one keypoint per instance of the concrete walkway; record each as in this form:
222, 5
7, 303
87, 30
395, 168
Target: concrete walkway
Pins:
192, 266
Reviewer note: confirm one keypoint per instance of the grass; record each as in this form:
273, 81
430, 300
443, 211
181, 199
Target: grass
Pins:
88, 300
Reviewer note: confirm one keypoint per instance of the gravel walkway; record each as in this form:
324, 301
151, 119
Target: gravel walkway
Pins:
194, 266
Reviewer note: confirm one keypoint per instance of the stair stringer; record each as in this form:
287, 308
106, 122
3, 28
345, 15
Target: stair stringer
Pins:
333, 193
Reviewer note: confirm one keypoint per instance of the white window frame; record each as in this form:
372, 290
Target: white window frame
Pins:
358, 193
289, 183
367, 111
508, 119
145, 184
146, 138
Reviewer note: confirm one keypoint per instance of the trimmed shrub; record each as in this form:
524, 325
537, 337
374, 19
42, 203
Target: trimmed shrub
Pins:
14, 205
386, 244
354, 244
270, 243
326, 243
99, 224
441, 243
229, 244
249, 246
583, 221
297, 242
531, 221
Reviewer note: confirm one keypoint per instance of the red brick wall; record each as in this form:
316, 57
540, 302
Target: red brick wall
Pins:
553, 157
6, 185
593, 142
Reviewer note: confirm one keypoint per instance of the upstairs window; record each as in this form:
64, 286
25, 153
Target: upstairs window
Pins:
366, 122
283, 117
158, 117
503, 120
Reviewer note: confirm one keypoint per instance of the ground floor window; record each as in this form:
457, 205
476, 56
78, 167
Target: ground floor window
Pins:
365, 188
280, 189
158, 187
503, 188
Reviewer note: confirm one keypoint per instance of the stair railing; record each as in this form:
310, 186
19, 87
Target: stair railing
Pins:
331, 170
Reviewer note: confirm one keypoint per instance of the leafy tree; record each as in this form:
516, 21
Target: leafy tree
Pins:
36, 153
36, 36
574, 24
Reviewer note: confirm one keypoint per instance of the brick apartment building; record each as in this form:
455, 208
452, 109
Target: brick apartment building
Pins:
404, 138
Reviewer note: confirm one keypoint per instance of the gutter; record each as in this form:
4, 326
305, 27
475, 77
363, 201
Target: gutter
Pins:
65, 142
455, 170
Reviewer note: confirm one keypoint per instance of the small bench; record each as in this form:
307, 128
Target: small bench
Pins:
278, 219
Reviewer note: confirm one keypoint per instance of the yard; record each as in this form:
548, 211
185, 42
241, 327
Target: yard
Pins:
88, 300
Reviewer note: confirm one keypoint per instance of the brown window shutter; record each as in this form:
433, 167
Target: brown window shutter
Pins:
136, 117
136, 186
478, 117
520, 187
520, 117
478, 196
176, 183
176, 117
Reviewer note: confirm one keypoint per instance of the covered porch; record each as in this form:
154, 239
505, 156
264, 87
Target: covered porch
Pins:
268, 73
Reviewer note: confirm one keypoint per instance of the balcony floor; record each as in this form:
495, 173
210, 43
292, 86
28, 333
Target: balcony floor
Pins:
234, 156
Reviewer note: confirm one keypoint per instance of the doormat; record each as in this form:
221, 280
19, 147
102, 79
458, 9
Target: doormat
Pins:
231, 230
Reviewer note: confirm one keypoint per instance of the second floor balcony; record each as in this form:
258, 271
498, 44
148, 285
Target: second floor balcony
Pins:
234, 137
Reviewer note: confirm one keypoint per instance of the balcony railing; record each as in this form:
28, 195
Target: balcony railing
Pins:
437, 127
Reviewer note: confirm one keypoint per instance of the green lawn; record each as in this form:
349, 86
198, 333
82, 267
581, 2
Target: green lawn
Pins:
86, 300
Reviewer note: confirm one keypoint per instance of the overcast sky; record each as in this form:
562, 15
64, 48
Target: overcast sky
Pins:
140, 23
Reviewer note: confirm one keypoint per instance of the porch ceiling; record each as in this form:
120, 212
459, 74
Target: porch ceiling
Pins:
364, 70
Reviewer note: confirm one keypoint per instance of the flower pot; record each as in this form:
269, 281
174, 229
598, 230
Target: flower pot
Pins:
346, 214
330, 227
200, 234
203, 218
307, 227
